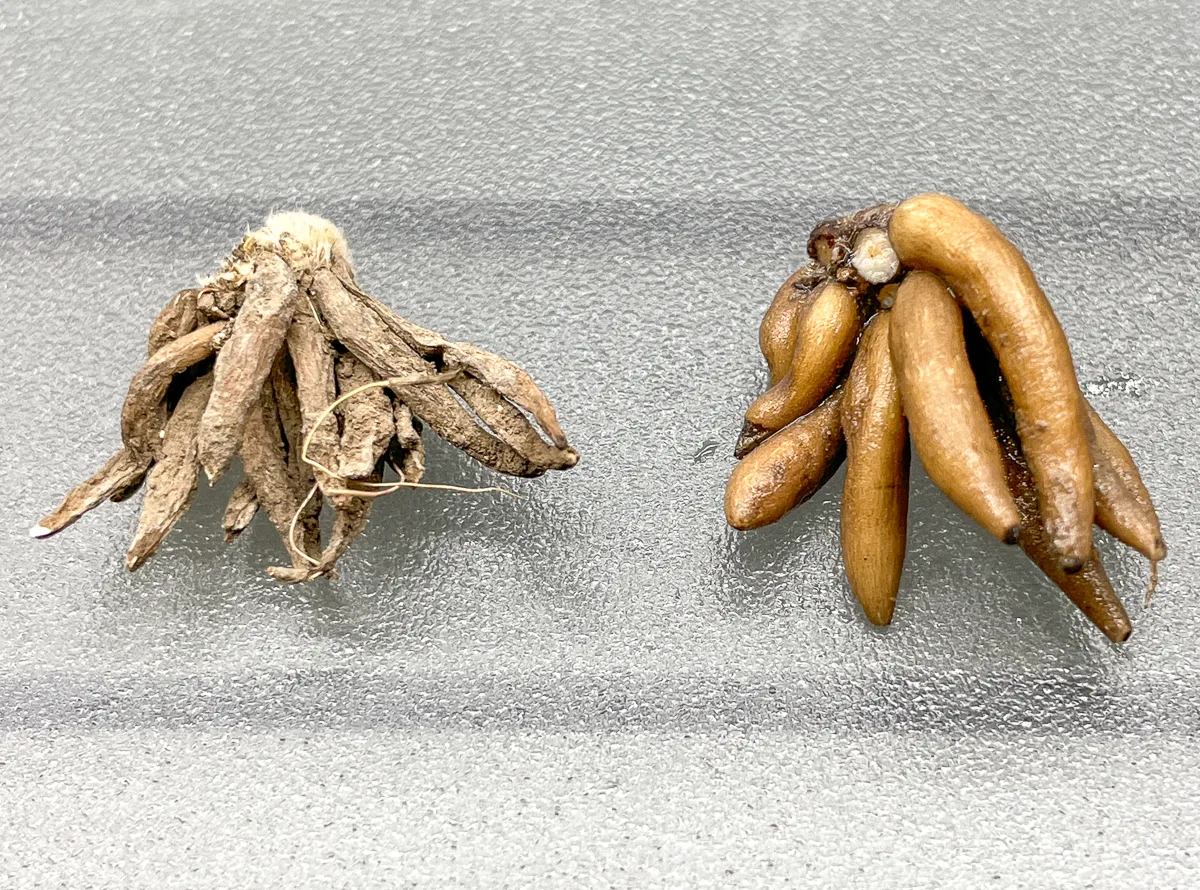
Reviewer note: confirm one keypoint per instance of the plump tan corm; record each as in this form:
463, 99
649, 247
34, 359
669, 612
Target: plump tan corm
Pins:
920, 321
281, 359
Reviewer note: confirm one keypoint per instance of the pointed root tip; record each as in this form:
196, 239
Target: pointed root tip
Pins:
751, 436
134, 562
1120, 633
570, 458
742, 522
880, 619
40, 531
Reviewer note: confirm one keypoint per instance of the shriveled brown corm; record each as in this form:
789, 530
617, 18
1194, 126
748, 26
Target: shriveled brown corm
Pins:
283, 360
986, 383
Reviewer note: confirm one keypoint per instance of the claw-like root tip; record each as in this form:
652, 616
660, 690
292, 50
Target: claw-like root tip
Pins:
751, 436
40, 531
1153, 585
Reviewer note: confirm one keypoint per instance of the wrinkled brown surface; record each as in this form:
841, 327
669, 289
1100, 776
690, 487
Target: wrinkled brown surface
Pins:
180, 316
133, 487
825, 339
118, 473
219, 302
172, 482
787, 469
510, 425
371, 339
245, 360
144, 413
291, 421
275, 405
265, 461
777, 331
874, 525
1123, 505
316, 388
240, 510
350, 519
367, 421
946, 418
990, 276
508, 379
407, 454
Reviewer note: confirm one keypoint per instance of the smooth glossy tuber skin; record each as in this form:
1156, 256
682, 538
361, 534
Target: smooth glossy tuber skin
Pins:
777, 332
1089, 588
990, 276
1123, 505
825, 340
949, 427
787, 469
875, 496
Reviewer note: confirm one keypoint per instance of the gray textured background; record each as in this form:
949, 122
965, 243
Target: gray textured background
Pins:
599, 685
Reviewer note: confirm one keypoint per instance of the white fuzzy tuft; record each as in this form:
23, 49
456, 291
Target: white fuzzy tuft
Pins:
310, 242
39, 531
317, 235
874, 257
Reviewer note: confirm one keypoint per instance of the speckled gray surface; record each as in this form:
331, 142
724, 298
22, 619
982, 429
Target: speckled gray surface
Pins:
599, 685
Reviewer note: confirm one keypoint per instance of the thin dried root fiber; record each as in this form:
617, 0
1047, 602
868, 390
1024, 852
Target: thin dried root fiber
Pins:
980, 373
280, 358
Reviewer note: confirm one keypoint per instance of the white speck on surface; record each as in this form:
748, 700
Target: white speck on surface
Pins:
874, 258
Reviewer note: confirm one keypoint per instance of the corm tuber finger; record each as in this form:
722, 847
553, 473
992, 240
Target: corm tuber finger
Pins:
946, 418
777, 332
824, 342
245, 360
991, 277
1123, 505
172, 482
788, 468
144, 413
875, 494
